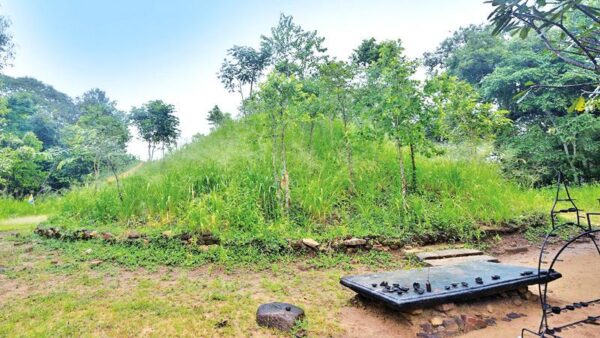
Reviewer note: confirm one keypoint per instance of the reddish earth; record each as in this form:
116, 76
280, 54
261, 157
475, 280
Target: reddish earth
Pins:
580, 266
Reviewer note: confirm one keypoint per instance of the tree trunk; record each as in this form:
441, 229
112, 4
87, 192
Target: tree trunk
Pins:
349, 156
114, 171
414, 168
402, 173
285, 180
311, 133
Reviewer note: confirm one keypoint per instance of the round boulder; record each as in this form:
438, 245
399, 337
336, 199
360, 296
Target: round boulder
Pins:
282, 316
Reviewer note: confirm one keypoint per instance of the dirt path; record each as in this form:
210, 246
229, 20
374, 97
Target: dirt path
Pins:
127, 172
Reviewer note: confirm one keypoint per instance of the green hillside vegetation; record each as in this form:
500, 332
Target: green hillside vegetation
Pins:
222, 184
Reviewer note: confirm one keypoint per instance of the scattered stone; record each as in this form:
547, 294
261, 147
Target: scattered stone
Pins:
88, 251
28, 249
513, 315
506, 319
436, 321
96, 262
107, 236
355, 242
427, 335
516, 250
311, 243
427, 327
489, 308
445, 307
517, 301
416, 312
473, 323
133, 235
451, 325
490, 321
206, 248
54, 262
522, 290
282, 316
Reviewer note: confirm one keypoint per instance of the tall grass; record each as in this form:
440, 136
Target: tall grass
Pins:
223, 184
10, 207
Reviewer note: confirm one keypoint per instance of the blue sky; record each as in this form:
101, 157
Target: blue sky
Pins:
142, 50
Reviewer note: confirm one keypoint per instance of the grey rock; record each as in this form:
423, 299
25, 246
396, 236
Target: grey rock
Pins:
282, 316
355, 242
311, 243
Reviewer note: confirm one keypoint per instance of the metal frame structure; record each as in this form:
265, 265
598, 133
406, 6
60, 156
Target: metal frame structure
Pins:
545, 330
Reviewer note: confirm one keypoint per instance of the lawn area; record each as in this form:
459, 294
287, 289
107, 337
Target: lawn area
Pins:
44, 292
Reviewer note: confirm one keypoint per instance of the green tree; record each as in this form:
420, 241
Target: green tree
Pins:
243, 67
336, 79
367, 53
568, 28
293, 50
22, 164
457, 112
396, 108
157, 125
217, 118
279, 97
7, 47
471, 53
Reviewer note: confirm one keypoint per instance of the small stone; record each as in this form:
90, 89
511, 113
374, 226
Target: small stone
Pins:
355, 242
94, 234
54, 262
445, 307
489, 308
513, 315
427, 327
473, 323
277, 316
451, 325
516, 250
133, 235
311, 243
436, 321
517, 301
88, 251
96, 262
416, 312
107, 236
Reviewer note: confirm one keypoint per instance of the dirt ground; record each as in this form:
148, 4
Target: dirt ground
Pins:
43, 293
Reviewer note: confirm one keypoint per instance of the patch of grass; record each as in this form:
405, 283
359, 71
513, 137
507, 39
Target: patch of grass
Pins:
10, 207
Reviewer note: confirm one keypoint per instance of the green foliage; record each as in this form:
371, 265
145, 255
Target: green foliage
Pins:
157, 125
217, 118
568, 28
457, 111
222, 183
292, 49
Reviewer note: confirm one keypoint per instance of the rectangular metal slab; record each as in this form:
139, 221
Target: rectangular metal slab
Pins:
442, 276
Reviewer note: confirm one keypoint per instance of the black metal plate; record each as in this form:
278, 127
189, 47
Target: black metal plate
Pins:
442, 276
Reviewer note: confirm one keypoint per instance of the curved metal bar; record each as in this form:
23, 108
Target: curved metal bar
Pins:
544, 296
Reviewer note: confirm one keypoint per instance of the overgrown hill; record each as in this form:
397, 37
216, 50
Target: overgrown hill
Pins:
223, 184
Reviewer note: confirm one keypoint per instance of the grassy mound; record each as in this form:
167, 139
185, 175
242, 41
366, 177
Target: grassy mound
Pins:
222, 184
